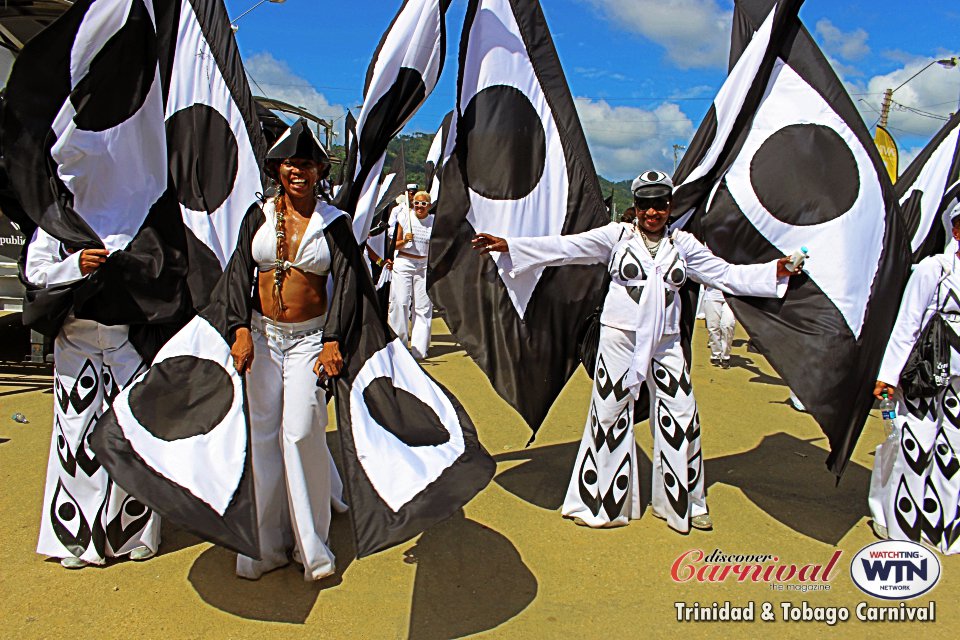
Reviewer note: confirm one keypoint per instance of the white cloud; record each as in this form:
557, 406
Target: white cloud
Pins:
626, 140
279, 82
849, 46
695, 33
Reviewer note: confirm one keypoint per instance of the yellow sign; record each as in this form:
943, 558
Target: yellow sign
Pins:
888, 151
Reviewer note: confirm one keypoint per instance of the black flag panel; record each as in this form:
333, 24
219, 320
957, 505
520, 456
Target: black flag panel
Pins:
929, 192
518, 166
839, 203
435, 157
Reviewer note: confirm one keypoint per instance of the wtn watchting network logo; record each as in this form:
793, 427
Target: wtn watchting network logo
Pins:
895, 569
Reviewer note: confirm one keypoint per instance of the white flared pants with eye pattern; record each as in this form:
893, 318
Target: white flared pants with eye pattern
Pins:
605, 486
84, 513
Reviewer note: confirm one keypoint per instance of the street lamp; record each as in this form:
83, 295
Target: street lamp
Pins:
233, 23
948, 63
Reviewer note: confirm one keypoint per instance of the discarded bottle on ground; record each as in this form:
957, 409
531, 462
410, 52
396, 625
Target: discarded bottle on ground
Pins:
888, 412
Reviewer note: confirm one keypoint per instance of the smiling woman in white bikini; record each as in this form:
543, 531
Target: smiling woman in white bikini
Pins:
282, 337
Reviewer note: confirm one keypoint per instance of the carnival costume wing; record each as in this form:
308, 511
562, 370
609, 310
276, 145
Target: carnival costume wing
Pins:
517, 164
929, 192
411, 454
787, 164
118, 134
402, 74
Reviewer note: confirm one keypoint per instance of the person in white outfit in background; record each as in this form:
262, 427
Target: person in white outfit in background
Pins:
408, 293
86, 516
640, 344
720, 326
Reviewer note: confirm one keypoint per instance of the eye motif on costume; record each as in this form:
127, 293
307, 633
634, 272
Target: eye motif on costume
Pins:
670, 429
676, 491
616, 495
69, 525
628, 268
618, 430
946, 457
694, 470
951, 406
84, 390
932, 522
110, 387
676, 274
86, 460
589, 482
129, 521
916, 457
61, 393
693, 429
669, 384
634, 293
605, 385
68, 461
907, 511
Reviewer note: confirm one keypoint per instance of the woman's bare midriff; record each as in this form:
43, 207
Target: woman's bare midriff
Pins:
304, 296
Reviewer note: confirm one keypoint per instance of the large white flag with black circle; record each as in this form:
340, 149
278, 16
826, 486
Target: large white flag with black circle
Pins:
411, 453
402, 74
129, 126
929, 192
799, 169
517, 165
138, 115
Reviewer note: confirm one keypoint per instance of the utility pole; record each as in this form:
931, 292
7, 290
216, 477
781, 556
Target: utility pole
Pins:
677, 148
885, 106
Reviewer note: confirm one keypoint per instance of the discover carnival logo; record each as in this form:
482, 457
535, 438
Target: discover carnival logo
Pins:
895, 569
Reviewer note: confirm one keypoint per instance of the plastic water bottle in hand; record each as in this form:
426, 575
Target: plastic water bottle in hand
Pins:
797, 259
888, 412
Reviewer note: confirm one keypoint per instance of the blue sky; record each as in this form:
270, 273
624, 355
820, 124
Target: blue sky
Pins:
643, 72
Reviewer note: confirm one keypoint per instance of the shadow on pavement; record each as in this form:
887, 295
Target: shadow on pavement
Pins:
469, 579
279, 596
542, 479
786, 477
439, 349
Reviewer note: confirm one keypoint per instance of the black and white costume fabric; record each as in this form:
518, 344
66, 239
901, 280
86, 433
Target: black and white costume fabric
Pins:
85, 514
516, 164
929, 192
915, 485
790, 163
640, 343
720, 323
411, 310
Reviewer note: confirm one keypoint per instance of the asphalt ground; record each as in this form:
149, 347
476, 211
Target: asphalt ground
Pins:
508, 566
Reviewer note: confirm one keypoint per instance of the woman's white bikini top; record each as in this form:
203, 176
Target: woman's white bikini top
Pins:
313, 255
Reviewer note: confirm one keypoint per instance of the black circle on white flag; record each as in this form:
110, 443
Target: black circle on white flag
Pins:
204, 157
805, 174
505, 143
120, 75
181, 397
404, 415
